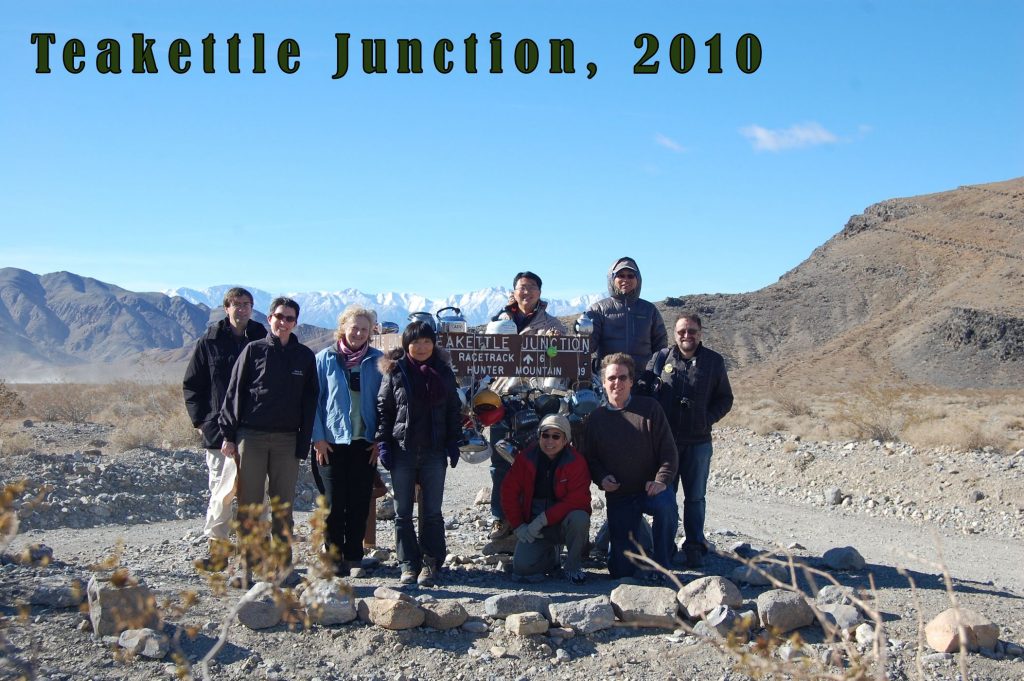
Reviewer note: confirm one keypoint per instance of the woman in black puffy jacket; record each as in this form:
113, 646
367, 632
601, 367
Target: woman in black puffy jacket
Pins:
418, 430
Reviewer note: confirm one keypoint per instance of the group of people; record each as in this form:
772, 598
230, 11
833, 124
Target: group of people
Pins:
263, 402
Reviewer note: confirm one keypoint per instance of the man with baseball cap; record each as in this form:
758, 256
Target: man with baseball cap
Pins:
546, 499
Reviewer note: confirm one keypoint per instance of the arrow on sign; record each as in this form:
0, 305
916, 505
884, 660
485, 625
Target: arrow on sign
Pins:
527, 359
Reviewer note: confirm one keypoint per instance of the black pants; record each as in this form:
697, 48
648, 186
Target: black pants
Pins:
348, 486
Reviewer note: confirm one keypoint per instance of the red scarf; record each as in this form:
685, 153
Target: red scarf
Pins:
352, 357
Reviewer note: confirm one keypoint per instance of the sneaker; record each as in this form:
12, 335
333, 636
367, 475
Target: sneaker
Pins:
241, 579
357, 572
499, 529
408, 576
575, 576
428, 574
694, 557
216, 558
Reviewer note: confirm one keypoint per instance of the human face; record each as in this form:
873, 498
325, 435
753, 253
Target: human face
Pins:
551, 441
624, 281
239, 311
282, 322
421, 349
357, 332
617, 384
527, 294
687, 337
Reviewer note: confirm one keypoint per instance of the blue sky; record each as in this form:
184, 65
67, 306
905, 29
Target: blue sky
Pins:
440, 184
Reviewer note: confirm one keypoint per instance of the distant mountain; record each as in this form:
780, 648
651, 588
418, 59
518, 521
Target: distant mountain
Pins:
62, 319
321, 308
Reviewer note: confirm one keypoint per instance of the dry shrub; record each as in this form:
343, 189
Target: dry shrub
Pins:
792, 405
66, 402
874, 413
965, 432
153, 432
11, 404
16, 443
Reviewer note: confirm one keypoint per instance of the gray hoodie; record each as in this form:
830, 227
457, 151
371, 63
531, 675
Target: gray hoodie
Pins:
627, 323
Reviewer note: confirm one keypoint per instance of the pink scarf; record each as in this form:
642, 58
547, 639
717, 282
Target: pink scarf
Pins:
352, 357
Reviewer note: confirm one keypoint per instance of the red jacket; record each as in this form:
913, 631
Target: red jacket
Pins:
572, 486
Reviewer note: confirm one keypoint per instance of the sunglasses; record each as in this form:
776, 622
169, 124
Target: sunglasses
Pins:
550, 436
287, 318
625, 275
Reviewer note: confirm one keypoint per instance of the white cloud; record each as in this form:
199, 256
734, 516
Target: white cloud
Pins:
669, 143
793, 137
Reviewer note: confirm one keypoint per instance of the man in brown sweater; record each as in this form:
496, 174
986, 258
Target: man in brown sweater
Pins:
633, 458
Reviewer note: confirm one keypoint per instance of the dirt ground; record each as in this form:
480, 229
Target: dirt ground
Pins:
900, 508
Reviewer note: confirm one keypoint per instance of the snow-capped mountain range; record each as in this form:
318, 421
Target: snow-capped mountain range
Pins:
321, 308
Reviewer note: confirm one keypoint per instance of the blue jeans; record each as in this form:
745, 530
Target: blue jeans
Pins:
624, 516
426, 467
694, 467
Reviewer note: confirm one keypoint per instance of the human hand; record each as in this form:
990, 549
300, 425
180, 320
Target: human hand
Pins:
523, 534
322, 449
609, 483
374, 450
654, 488
229, 449
386, 460
453, 455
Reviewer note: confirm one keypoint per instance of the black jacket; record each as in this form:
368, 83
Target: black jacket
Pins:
402, 421
273, 388
695, 394
208, 372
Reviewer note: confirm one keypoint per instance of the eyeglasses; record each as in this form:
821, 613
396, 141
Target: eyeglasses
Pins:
286, 318
625, 274
529, 288
688, 332
550, 436
240, 304
613, 379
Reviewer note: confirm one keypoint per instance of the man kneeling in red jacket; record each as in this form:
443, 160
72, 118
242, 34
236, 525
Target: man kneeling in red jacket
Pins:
546, 498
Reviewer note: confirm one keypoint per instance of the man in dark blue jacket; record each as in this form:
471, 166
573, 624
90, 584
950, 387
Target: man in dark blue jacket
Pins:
204, 386
624, 322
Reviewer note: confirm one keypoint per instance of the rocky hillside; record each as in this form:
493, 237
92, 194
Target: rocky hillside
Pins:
927, 290
62, 319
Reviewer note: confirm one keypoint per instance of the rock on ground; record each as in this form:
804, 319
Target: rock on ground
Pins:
943, 635
394, 614
444, 615
259, 609
509, 603
645, 606
145, 642
526, 623
707, 593
328, 601
843, 558
584, 616
783, 610
117, 602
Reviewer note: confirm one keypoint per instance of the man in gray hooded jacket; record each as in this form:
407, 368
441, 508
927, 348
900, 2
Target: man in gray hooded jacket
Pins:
624, 322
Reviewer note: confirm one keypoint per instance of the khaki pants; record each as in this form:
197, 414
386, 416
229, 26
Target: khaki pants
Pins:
268, 467
222, 473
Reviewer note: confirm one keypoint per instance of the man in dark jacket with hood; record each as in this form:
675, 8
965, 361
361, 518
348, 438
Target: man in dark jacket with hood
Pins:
204, 386
624, 322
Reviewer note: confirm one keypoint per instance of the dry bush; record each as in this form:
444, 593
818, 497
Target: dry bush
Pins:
16, 442
873, 412
11, 404
792, 405
965, 432
66, 402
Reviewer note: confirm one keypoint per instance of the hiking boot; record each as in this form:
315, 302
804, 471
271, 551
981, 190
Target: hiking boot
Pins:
408, 576
241, 578
694, 557
499, 529
575, 576
428, 575
216, 558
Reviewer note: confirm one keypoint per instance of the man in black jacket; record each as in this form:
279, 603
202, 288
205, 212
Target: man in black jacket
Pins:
204, 386
625, 322
267, 417
690, 382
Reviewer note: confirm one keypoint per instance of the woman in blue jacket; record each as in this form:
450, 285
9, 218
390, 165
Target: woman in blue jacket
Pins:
343, 430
